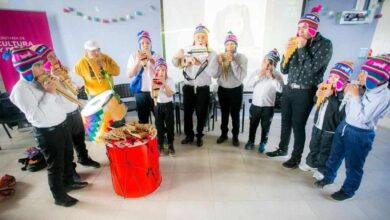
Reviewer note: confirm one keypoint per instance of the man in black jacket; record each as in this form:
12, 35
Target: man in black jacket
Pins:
305, 69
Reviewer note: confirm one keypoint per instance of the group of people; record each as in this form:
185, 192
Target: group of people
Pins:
344, 123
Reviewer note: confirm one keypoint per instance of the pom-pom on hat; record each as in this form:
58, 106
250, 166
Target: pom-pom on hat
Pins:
343, 70
312, 19
23, 59
201, 29
274, 56
377, 69
42, 50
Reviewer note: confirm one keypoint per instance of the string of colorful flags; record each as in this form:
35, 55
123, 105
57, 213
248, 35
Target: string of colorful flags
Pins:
132, 16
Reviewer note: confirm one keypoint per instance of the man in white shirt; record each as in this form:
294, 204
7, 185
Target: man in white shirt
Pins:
41, 105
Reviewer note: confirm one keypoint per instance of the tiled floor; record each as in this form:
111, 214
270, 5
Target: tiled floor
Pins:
213, 182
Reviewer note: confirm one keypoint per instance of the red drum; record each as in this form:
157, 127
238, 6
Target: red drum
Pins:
135, 169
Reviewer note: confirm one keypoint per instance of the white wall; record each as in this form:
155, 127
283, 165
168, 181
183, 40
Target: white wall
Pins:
381, 41
259, 25
69, 32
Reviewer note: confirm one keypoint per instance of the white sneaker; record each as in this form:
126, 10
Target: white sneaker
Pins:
305, 167
318, 175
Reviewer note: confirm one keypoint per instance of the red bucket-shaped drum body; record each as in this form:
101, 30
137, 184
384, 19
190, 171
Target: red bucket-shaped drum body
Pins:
135, 169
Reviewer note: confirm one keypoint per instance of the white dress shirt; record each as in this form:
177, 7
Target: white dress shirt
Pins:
162, 96
204, 79
264, 88
148, 73
42, 109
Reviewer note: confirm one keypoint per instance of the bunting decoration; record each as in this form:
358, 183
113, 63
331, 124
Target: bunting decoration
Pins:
124, 18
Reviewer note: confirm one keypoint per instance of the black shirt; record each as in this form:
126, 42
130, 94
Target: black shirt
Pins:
308, 64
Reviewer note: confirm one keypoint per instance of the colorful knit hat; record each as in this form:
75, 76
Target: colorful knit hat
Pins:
23, 59
274, 56
143, 34
312, 19
378, 70
343, 70
201, 29
160, 62
42, 50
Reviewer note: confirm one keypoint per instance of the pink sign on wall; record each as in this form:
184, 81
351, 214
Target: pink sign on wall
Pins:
20, 29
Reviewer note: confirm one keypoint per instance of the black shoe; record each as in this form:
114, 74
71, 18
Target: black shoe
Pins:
88, 162
291, 163
249, 145
75, 186
187, 140
322, 183
340, 196
221, 139
199, 142
171, 152
67, 202
277, 153
236, 142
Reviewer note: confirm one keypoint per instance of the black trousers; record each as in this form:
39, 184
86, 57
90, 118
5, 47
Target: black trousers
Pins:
261, 115
198, 102
296, 106
164, 122
56, 146
145, 105
77, 131
230, 101
320, 146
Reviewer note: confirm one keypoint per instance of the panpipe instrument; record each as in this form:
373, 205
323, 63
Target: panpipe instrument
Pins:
64, 77
292, 47
59, 88
225, 65
199, 52
144, 60
324, 87
156, 85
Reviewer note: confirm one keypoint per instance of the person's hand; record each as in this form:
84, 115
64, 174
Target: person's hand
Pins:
179, 54
320, 91
50, 84
148, 55
301, 42
141, 55
352, 89
220, 58
56, 71
229, 57
100, 63
328, 92
195, 61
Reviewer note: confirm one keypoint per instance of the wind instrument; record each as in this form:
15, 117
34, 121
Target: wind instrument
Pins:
324, 87
59, 88
64, 77
293, 46
225, 66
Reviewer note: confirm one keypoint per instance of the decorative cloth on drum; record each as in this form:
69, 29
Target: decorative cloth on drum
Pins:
95, 82
312, 19
343, 70
23, 59
378, 70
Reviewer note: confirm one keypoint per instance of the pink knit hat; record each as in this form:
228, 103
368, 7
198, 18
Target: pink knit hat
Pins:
23, 59
312, 19
42, 50
143, 34
343, 70
378, 70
